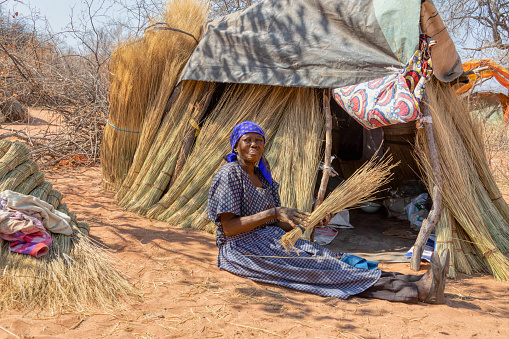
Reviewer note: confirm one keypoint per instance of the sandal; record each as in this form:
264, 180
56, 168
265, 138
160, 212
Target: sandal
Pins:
435, 293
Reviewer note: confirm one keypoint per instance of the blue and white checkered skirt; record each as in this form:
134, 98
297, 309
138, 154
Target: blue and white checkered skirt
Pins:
258, 255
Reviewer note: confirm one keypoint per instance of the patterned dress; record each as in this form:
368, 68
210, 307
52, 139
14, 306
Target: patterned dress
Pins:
259, 255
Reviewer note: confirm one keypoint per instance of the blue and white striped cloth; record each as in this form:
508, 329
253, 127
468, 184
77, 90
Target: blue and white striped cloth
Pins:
259, 255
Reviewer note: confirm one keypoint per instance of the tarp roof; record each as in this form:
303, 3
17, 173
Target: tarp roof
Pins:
308, 43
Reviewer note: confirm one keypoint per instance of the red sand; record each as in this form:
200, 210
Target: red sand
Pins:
183, 294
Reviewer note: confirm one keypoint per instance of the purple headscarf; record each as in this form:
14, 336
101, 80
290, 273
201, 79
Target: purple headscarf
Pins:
237, 133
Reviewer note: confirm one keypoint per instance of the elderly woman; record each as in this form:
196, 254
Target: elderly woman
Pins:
244, 204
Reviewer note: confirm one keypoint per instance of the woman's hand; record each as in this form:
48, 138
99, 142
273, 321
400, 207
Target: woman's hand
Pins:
326, 221
292, 216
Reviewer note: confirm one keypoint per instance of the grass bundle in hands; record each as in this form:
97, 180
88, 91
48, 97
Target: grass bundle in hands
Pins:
359, 188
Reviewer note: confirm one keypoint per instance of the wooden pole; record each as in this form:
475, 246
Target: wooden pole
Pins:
432, 219
191, 131
327, 94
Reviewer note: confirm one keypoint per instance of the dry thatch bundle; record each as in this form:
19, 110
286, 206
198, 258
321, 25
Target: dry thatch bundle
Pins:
467, 187
30, 183
299, 139
262, 104
18, 174
16, 154
75, 272
145, 73
359, 188
291, 117
157, 170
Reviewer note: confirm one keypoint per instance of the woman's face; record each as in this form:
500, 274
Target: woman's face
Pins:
250, 147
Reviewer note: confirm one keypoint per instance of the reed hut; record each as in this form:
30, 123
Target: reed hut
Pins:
277, 63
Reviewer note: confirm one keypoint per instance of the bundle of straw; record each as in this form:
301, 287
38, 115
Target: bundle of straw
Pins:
299, 137
4, 147
359, 188
17, 154
145, 72
72, 274
262, 104
75, 272
18, 174
42, 190
464, 193
54, 197
157, 170
30, 183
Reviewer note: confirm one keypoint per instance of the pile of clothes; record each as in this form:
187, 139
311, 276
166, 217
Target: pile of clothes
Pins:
25, 221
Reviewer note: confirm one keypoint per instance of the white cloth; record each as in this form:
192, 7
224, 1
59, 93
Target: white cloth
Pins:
53, 220
324, 235
341, 220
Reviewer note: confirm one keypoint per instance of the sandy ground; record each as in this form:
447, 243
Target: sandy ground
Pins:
183, 294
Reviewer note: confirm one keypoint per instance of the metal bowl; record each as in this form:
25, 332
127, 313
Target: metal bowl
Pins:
370, 207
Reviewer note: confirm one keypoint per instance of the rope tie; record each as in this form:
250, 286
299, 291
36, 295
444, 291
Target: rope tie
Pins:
123, 130
495, 199
490, 252
165, 26
330, 169
195, 126
152, 186
425, 120
7, 164
164, 207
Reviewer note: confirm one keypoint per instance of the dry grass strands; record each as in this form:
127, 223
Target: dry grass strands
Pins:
444, 233
262, 104
17, 154
359, 188
160, 57
471, 129
42, 190
160, 162
54, 197
464, 193
17, 175
299, 138
4, 147
30, 183
73, 274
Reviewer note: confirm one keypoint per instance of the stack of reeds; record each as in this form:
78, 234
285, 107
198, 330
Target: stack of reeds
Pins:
359, 188
262, 104
75, 272
291, 117
295, 151
479, 217
144, 74
151, 180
